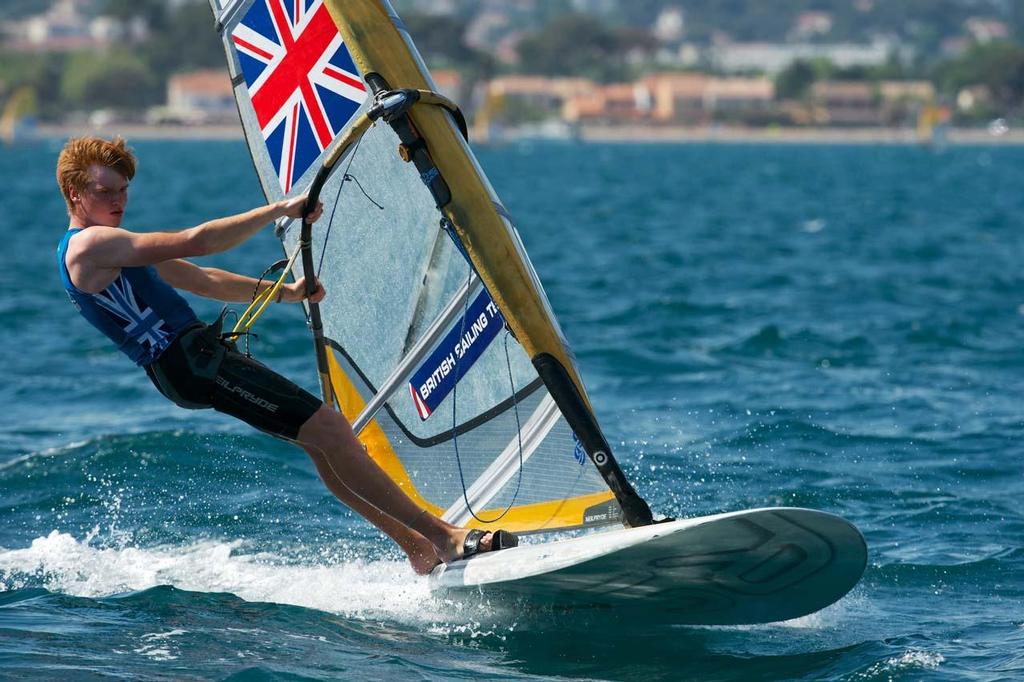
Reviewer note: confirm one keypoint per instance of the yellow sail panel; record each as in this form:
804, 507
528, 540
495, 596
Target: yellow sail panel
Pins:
554, 515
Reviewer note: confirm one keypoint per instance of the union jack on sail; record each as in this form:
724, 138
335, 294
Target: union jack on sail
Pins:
301, 79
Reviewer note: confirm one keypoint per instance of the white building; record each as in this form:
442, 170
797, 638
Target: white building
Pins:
202, 97
771, 57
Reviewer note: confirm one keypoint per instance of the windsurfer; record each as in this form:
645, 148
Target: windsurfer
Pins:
125, 284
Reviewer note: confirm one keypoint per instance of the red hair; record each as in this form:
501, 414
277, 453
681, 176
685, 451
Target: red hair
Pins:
81, 153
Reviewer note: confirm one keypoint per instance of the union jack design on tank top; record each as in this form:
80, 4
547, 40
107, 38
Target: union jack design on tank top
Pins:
142, 324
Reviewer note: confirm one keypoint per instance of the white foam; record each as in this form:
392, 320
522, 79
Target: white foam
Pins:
157, 645
47, 452
378, 589
911, 659
915, 658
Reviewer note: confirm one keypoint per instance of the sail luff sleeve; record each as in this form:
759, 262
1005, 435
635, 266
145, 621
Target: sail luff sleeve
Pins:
489, 241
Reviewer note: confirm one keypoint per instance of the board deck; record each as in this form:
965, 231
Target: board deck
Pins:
744, 567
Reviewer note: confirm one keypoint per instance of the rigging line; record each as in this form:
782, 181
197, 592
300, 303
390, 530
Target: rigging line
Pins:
330, 223
354, 179
455, 435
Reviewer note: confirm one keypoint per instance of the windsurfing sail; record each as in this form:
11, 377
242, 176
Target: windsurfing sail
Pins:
436, 339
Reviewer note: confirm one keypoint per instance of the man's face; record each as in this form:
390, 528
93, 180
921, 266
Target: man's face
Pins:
104, 198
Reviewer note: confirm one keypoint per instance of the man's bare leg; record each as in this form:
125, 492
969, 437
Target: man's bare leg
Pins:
421, 553
355, 479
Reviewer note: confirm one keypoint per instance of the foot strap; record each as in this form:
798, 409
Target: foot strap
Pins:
500, 539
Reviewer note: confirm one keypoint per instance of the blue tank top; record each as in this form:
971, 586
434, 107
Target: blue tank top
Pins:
139, 312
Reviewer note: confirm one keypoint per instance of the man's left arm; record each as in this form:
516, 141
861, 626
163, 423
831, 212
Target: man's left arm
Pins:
227, 286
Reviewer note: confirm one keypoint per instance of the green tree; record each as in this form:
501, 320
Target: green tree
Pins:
16, 9
41, 71
153, 11
577, 44
997, 66
117, 79
439, 37
795, 80
187, 42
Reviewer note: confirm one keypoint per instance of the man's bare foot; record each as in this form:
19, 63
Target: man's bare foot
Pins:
422, 556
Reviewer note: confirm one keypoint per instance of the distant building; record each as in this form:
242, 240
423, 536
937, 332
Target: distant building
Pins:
907, 91
65, 26
615, 103
540, 90
62, 27
905, 102
842, 103
516, 99
687, 98
954, 47
971, 99
435, 7
495, 33
811, 24
772, 58
677, 97
670, 26
738, 96
202, 97
985, 30
449, 84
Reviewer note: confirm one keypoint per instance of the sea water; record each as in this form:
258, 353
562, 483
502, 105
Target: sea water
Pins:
836, 327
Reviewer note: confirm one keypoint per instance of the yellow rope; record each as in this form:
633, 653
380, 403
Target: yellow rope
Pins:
263, 299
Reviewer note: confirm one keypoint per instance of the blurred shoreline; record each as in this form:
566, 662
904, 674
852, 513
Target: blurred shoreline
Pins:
595, 133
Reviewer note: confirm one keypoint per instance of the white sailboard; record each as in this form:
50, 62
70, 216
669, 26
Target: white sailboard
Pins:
756, 566
437, 341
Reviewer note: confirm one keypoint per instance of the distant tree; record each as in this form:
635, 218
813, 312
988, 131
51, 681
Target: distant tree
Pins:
116, 79
41, 71
187, 42
440, 37
580, 45
999, 67
854, 72
155, 12
795, 80
16, 9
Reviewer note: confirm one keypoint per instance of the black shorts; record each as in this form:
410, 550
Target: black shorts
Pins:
199, 371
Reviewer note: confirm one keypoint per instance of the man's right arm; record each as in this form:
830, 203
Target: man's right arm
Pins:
107, 247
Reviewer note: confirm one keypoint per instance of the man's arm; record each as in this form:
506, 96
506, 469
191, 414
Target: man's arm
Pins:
226, 286
109, 247
96, 255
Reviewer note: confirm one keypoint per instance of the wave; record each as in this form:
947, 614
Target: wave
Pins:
354, 588
1005, 562
824, 350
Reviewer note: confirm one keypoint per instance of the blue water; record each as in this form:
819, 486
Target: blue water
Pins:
824, 326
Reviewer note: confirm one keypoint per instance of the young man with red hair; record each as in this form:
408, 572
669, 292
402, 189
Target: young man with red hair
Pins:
124, 283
